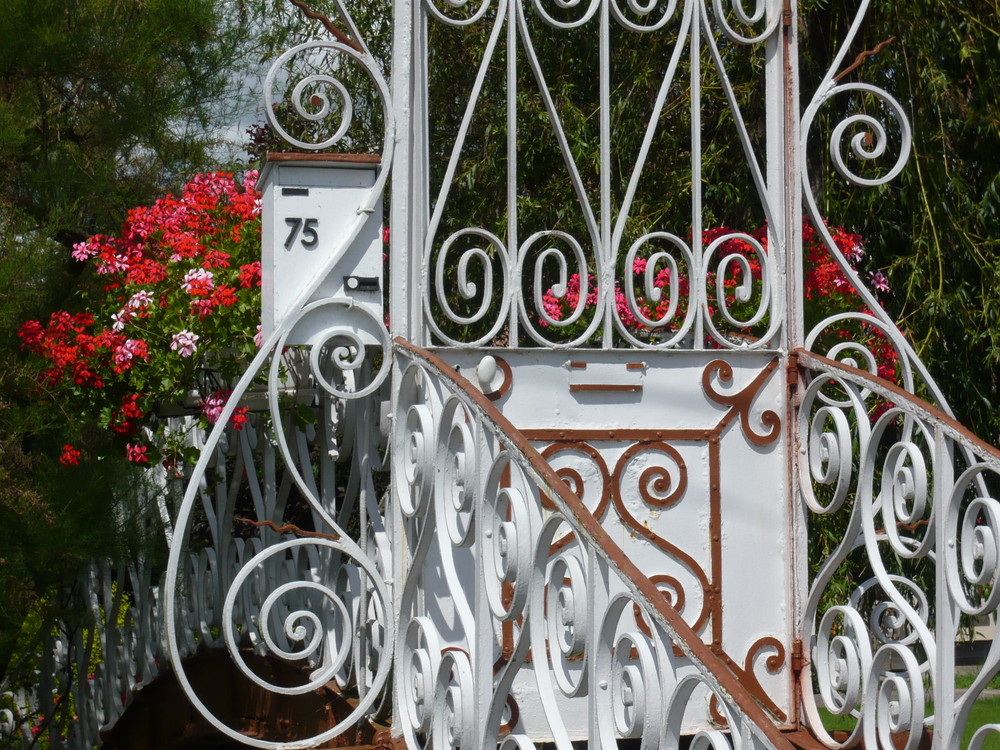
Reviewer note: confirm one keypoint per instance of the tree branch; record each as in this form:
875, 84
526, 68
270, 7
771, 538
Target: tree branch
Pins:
857, 60
288, 528
339, 35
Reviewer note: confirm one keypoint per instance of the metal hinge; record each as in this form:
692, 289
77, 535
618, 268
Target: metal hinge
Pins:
798, 658
792, 373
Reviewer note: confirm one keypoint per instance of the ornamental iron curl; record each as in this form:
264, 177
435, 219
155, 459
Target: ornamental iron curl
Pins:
918, 535
617, 646
601, 248
320, 600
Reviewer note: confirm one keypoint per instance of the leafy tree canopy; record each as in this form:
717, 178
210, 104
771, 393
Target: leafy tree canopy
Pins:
104, 105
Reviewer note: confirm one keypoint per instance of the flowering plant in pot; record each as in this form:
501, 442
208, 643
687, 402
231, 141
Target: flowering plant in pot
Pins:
170, 317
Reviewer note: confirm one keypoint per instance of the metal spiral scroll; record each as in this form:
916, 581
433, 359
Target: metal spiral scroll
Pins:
829, 425
318, 87
558, 617
305, 619
432, 681
766, 11
628, 663
876, 656
972, 567
558, 621
450, 12
591, 300
674, 331
868, 145
764, 302
973, 562
476, 249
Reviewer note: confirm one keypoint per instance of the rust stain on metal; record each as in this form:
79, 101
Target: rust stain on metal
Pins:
280, 156
715, 533
605, 387
577, 488
900, 396
385, 741
628, 435
749, 678
726, 679
792, 372
515, 715
506, 383
741, 401
655, 475
798, 658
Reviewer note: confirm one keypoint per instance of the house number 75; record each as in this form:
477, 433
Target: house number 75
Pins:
308, 228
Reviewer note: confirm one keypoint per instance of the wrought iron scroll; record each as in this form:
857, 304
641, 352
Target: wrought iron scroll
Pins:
914, 499
590, 275
513, 590
866, 139
317, 598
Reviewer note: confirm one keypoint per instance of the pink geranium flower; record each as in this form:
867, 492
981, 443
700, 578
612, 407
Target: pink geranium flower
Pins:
184, 343
879, 281
136, 453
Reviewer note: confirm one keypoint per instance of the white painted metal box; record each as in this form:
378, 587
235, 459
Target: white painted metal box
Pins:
310, 203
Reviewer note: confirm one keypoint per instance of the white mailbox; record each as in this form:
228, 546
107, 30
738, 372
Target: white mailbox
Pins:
310, 202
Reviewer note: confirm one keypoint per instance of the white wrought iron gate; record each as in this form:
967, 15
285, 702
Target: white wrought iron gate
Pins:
560, 488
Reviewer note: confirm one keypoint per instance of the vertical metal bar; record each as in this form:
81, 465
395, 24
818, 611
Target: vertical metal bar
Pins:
405, 241
270, 491
785, 247
481, 642
396, 529
780, 157
599, 580
408, 213
399, 219
607, 277
791, 202
946, 611
696, 246
420, 183
365, 426
512, 238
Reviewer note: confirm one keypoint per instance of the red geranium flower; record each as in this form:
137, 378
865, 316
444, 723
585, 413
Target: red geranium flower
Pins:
70, 456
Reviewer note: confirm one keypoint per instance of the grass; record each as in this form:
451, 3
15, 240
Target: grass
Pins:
984, 711
964, 680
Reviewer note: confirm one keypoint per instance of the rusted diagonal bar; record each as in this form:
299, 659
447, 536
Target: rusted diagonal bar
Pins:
905, 400
583, 521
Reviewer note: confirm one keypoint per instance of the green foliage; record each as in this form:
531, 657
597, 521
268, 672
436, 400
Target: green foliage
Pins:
103, 101
104, 105
933, 228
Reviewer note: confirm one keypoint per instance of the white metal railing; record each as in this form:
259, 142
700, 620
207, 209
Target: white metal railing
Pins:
500, 272
520, 620
247, 581
913, 499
